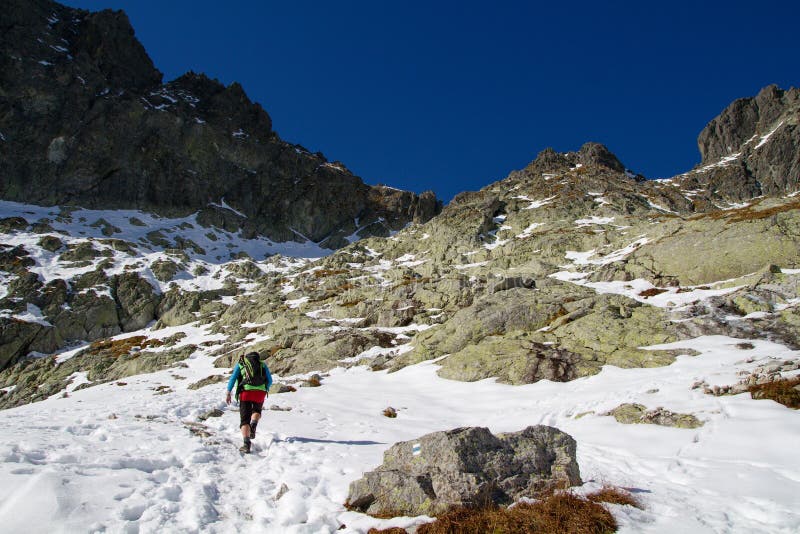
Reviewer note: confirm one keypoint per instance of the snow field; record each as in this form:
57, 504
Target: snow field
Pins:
120, 458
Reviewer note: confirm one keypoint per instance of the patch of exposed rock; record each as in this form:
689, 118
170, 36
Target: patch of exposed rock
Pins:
638, 414
751, 148
466, 467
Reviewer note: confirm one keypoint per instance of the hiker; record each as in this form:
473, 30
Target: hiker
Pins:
252, 379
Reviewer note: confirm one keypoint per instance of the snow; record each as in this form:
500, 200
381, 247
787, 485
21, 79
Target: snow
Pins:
766, 137
584, 258
633, 289
660, 208
529, 230
296, 303
224, 205
120, 458
497, 243
374, 352
594, 220
79, 224
723, 162
32, 315
470, 265
539, 203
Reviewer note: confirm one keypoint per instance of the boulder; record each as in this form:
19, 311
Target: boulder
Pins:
50, 243
466, 467
639, 414
137, 301
513, 361
12, 224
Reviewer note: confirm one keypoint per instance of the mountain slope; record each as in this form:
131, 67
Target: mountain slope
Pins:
143, 453
578, 282
86, 120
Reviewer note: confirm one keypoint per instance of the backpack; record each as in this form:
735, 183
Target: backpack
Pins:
253, 373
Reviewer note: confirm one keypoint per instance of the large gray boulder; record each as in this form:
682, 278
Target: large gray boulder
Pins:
466, 467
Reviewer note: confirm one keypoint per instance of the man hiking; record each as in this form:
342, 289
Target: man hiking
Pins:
252, 380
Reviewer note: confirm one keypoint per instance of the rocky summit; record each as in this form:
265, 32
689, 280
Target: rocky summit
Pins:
86, 120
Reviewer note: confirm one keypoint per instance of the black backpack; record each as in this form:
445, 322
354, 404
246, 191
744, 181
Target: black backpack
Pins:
253, 373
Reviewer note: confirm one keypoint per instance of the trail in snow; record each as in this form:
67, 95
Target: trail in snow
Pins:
121, 458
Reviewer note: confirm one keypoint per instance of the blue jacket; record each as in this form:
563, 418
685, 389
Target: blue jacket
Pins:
237, 375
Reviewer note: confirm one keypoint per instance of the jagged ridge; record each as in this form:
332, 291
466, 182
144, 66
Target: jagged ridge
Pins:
85, 120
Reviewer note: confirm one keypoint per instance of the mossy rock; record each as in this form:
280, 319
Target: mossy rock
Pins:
511, 360
157, 238
106, 228
80, 252
50, 243
209, 380
164, 270
639, 414
13, 224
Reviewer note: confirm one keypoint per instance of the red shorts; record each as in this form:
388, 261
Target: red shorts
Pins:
253, 395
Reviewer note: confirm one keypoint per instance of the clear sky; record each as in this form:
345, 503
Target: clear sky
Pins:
452, 95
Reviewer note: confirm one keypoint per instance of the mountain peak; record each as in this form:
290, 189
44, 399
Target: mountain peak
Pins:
751, 148
589, 154
101, 130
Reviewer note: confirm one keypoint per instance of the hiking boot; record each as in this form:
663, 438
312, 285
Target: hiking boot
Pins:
253, 425
246, 447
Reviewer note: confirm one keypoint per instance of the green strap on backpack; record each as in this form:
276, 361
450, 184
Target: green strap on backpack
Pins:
253, 373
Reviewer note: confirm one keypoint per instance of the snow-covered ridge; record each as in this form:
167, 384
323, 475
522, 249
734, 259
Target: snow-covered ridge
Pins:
152, 233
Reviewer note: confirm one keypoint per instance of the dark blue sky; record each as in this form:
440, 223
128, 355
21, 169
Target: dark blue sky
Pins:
451, 96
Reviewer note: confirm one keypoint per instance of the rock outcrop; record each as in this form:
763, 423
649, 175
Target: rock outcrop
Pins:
85, 119
752, 148
630, 414
466, 467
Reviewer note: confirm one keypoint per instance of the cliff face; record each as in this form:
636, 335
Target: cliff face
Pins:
85, 119
752, 148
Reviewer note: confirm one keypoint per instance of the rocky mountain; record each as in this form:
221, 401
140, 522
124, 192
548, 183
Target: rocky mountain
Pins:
752, 148
191, 245
569, 264
86, 120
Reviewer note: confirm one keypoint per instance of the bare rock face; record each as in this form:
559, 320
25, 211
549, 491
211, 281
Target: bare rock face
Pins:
466, 467
752, 148
85, 119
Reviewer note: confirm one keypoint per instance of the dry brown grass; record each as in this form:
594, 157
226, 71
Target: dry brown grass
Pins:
323, 273
313, 382
613, 495
748, 213
408, 280
781, 391
119, 347
560, 513
652, 292
561, 312
392, 530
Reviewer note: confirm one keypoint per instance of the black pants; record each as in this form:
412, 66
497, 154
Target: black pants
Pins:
246, 411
